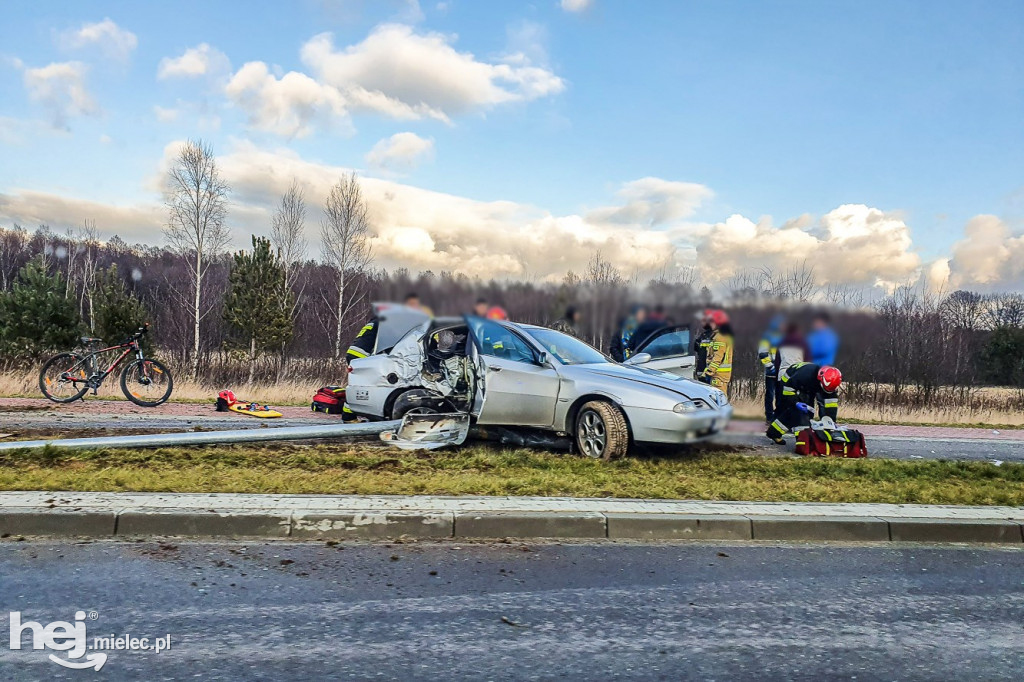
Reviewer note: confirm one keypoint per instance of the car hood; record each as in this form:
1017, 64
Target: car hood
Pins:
650, 377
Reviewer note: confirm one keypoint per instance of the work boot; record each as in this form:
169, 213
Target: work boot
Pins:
779, 440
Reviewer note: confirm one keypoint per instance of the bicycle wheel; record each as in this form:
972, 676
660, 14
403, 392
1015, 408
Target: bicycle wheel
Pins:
62, 379
147, 383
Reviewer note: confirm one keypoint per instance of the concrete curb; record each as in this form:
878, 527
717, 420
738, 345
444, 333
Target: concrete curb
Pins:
316, 517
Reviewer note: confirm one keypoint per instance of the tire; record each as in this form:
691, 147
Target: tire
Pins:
147, 383
601, 431
416, 401
50, 378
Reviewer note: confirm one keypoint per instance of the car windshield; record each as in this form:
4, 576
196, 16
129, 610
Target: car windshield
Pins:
566, 349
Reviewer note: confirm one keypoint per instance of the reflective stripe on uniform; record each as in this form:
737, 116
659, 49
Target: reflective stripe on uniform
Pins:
356, 351
786, 390
366, 328
779, 426
831, 402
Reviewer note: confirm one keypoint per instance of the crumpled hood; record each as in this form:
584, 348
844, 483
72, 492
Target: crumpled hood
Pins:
651, 377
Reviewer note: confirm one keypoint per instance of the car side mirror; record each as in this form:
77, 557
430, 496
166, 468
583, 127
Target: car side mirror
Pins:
542, 359
638, 359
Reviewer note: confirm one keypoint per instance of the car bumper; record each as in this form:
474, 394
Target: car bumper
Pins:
665, 426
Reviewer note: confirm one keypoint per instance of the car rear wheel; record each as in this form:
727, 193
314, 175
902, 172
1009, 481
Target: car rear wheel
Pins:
601, 431
416, 401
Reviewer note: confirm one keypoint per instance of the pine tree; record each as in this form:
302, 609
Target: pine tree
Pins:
36, 316
258, 300
117, 313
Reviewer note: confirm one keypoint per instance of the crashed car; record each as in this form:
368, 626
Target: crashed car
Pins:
518, 375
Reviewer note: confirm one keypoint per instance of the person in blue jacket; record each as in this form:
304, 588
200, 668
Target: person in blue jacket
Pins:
823, 342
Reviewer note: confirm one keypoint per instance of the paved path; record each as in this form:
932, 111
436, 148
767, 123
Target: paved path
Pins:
624, 611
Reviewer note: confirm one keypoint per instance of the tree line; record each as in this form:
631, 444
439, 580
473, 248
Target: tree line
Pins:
275, 310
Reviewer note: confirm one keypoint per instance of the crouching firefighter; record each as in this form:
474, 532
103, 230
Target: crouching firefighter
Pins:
362, 347
801, 386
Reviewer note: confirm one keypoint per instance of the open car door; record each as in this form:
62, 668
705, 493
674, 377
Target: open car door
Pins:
668, 350
515, 385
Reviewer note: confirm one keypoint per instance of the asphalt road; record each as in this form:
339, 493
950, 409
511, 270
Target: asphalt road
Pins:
892, 447
282, 611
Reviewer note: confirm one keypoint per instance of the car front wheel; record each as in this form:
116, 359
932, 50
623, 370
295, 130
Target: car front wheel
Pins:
601, 431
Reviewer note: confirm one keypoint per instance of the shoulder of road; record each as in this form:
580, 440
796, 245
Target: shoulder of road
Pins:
323, 517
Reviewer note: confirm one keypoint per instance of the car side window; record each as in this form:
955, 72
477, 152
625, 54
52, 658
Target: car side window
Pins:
498, 342
669, 344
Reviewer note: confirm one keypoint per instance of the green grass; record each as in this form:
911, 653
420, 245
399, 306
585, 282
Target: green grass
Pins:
481, 470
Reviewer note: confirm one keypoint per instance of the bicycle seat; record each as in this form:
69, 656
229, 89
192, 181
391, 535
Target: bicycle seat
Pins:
88, 340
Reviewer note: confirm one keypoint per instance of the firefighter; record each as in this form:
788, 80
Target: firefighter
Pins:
767, 349
702, 344
718, 371
362, 346
802, 385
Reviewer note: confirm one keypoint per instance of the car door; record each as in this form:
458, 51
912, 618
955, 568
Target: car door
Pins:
669, 349
514, 387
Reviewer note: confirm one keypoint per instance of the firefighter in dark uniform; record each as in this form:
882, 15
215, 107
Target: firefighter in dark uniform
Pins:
702, 344
807, 383
362, 347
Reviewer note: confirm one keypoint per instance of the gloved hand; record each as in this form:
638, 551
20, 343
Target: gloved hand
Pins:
804, 407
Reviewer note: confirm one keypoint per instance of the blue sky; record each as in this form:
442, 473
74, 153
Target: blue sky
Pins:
911, 111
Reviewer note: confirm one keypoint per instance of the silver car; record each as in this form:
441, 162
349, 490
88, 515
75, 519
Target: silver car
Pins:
519, 375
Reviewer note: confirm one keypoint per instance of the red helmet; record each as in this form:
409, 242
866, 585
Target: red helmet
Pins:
497, 313
719, 317
229, 396
830, 378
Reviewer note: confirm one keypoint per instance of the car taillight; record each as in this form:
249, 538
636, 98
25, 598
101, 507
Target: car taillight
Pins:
350, 369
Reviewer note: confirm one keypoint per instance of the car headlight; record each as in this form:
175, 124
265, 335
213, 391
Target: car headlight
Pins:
688, 406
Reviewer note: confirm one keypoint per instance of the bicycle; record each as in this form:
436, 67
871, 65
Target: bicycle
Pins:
66, 377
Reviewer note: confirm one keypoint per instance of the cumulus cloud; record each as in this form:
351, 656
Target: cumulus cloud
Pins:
852, 244
395, 69
166, 114
138, 223
652, 201
201, 60
60, 87
400, 152
287, 106
989, 255
114, 41
576, 5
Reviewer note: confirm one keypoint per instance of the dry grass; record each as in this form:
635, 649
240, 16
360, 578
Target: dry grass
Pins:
483, 470
288, 392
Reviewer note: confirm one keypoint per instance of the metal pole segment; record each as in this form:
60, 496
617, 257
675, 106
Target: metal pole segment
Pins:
254, 435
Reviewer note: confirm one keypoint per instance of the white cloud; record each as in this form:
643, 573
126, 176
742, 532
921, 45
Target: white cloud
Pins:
106, 139
989, 255
396, 71
201, 60
652, 201
166, 114
852, 244
576, 5
60, 87
400, 152
140, 223
289, 105
114, 41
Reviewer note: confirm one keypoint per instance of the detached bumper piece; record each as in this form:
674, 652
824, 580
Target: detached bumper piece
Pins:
429, 431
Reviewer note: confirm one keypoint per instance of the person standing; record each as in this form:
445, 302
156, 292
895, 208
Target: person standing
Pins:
792, 348
718, 372
702, 343
823, 342
767, 349
622, 343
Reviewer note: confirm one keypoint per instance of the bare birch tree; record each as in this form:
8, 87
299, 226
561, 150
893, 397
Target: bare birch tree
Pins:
196, 199
288, 235
345, 232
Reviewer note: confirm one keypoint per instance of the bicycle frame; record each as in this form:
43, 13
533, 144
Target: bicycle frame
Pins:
90, 362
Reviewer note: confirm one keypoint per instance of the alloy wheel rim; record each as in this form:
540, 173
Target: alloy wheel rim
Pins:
592, 434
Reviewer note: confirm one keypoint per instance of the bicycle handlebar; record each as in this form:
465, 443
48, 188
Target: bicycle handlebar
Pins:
144, 329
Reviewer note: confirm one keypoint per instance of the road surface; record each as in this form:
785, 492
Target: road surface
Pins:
607, 611
27, 418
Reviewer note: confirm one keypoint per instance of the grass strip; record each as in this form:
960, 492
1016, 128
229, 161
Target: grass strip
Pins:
486, 470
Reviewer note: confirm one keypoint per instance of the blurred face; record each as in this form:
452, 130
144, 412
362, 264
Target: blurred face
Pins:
480, 309
641, 315
576, 316
819, 323
413, 302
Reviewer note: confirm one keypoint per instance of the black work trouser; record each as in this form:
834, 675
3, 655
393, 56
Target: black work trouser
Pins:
771, 398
